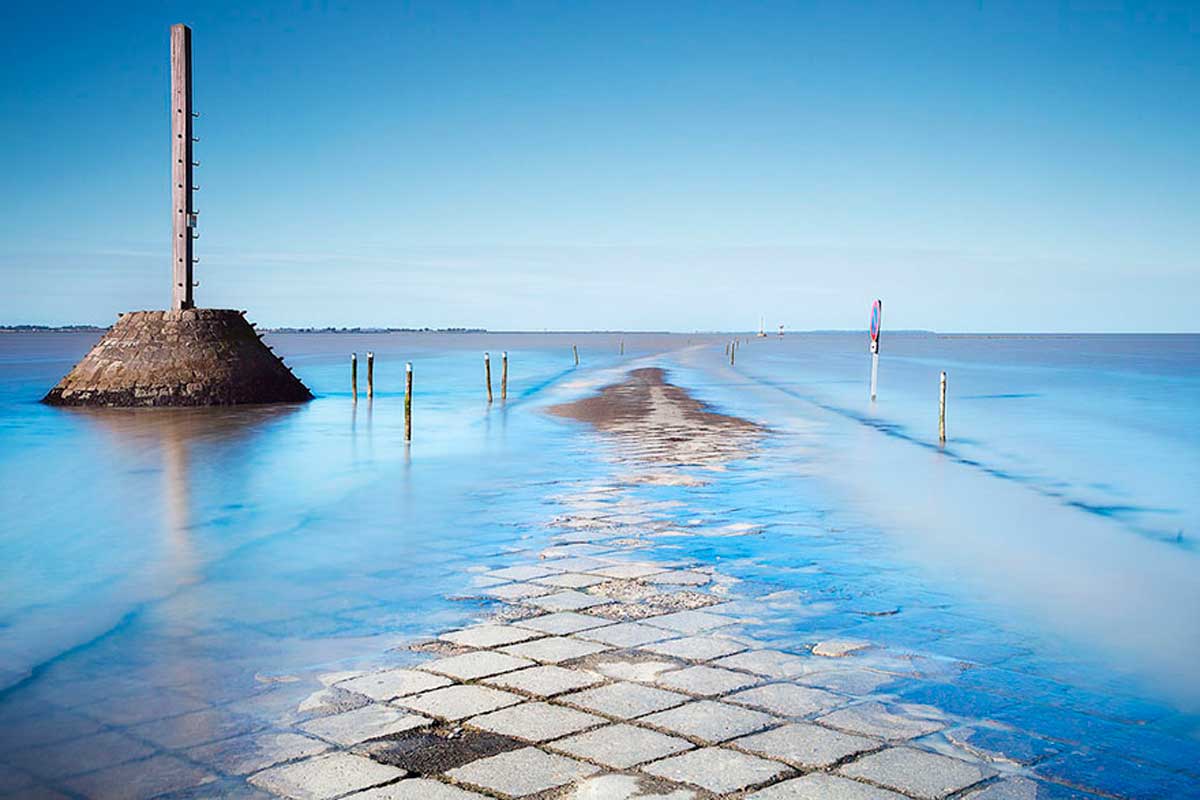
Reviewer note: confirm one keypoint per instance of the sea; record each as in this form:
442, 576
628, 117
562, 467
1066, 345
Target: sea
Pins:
158, 563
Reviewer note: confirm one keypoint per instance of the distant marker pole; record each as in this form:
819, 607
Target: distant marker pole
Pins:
354, 375
370, 374
876, 325
504, 376
575, 351
732, 352
487, 372
408, 402
942, 410
622, 347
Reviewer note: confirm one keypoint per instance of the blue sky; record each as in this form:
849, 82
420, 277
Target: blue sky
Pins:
980, 166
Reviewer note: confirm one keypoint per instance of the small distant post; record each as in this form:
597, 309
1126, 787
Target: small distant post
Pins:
503, 376
487, 374
354, 375
732, 352
876, 325
942, 410
575, 351
622, 347
370, 374
408, 401
182, 212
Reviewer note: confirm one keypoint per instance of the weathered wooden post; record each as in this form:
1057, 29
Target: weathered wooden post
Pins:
408, 401
575, 350
732, 352
876, 328
487, 372
370, 374
942, 410
354, 375
504, 376
183, 214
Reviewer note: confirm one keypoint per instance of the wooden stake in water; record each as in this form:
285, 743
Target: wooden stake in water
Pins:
622, 347
942, 410
487, 372
408, 402
575, 351
370, 374
354, 375
732, 352
504, 376
876, 329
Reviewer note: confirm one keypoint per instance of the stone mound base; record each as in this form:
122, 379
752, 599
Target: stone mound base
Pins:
198, 357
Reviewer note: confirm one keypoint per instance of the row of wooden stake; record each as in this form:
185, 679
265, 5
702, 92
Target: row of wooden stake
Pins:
408, 387
408, 380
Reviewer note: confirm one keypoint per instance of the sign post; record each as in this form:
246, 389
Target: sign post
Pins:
876, 324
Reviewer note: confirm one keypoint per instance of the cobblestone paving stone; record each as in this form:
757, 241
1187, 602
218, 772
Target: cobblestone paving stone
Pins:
625, 700
709, 721
489, 636
621, 746
555, 649
717, 769
806, 746
522, 772
706, 681
787, 699
459, 702
696, 648
562, 623
625, 634
325, 776
476, 665
546, 680
536, 722
919, 773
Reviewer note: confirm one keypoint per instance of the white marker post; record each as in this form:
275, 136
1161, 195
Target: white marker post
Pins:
876, 324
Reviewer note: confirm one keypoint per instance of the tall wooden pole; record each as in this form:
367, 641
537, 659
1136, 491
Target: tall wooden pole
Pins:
181, 168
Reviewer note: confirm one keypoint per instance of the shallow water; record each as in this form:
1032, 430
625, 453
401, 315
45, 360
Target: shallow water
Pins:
163, 562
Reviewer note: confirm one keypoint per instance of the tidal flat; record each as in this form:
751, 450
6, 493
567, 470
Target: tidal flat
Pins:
654, 575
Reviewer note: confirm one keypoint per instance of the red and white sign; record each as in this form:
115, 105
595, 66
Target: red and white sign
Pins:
876, 324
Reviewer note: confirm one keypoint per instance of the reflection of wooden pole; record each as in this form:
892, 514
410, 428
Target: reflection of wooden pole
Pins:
874, 374
942, 410
408, 402
575, 350
181, 167
487, 374
354, 375
370, 374
504, 376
